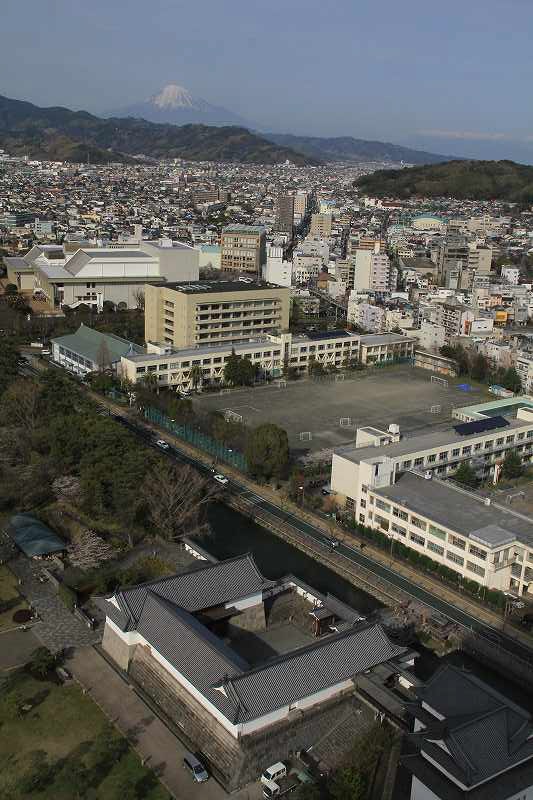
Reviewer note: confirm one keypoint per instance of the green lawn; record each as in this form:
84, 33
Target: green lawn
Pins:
9, 592
63, 747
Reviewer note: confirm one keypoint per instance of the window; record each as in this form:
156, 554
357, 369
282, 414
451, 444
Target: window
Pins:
163, 366
398, 529
456, 559
432, 458
456, 451
418, 523
488, 444
382, 522
414, 537
436, 548
509, 439
467, 450
419, 462
478, 446
438, 532
443, 456
383, 506
397, 512
478, 552
153, 368
457, 542
499, 441
140, 370
475, 568
406, 464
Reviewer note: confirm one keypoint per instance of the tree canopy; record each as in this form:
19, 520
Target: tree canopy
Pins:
239, 371
267, 451
476, 180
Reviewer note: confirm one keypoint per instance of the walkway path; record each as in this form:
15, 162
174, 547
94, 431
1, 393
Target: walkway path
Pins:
150, 737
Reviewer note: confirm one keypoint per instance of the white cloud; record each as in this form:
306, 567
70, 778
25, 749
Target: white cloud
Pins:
473, 135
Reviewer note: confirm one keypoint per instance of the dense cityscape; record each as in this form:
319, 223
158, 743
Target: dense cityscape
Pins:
266, 404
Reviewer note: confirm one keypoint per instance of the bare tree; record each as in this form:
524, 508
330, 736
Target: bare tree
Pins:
19, 404
103, 357
138, 296
177, 498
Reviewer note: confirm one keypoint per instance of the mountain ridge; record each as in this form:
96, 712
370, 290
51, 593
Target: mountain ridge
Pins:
348, 148
57, 133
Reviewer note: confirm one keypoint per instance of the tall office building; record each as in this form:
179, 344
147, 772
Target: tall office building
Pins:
321, 225
452, 255
300, 206
243, 248
216, 312
285, 214
479, 258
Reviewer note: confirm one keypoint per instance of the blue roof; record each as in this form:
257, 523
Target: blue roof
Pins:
33, 537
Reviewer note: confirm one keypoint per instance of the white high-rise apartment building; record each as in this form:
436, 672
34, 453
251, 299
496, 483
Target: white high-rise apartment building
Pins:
373, 271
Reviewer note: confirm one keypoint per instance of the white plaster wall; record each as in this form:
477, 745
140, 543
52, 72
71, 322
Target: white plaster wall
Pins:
344, 476
421, 792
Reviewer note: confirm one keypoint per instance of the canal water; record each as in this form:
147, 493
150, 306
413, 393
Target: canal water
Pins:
233, 534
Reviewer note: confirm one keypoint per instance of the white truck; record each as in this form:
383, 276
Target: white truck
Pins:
276, 781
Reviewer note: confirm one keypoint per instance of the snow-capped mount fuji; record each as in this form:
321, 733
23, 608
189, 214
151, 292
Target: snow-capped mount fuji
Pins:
174, 104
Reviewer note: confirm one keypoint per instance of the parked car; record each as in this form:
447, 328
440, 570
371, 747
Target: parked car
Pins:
162, 444
195, 767
221, 479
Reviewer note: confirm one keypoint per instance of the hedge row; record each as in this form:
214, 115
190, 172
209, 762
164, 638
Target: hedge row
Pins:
490, 596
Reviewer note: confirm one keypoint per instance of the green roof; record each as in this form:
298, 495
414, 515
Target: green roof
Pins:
33, 537
87, 342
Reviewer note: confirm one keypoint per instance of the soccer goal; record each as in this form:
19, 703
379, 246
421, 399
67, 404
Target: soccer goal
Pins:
345, 422
281, 383
232, 416
306, 436
441, 381
436, 409
339, 376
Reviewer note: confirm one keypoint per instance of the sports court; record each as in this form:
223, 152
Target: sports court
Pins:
322, 415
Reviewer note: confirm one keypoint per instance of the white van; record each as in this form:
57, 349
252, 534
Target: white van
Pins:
273, 773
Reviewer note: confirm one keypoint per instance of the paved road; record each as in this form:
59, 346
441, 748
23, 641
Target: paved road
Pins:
350, 553
151, 738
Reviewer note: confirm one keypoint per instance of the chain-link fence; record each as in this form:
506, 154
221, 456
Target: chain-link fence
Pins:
197, 438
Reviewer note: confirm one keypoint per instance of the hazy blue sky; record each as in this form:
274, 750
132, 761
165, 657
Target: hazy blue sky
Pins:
453, 76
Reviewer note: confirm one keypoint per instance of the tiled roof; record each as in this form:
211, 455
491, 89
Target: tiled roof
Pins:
484, 733
200, 656
312, 668
205, 587
162, 612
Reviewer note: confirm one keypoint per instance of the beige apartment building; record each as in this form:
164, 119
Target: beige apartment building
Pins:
243, 248
321, 225
210, 313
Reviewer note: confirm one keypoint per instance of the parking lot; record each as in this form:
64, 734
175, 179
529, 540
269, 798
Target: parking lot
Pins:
322, 415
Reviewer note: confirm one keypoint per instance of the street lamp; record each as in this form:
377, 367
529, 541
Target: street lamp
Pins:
302, 489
